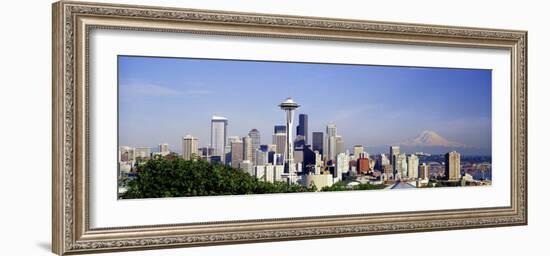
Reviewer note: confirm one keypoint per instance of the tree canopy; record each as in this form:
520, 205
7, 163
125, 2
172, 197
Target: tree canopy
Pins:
175, 177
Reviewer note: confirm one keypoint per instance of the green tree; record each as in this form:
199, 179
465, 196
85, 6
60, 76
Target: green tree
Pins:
175, 177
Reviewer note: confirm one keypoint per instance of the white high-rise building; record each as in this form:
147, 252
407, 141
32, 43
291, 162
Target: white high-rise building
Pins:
190, 147
357, 150
412, 165
384, 160
218, 136
394, 151
342, 165
142, 152
164, 149
400, 165
247, 166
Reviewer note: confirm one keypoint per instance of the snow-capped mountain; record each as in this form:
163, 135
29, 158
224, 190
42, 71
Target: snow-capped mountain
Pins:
431, 139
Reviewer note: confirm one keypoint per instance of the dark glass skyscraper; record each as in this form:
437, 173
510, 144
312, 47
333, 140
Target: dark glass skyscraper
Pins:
317, 141
301, 129
279, 129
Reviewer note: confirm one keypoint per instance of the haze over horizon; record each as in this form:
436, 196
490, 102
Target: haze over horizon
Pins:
164, 99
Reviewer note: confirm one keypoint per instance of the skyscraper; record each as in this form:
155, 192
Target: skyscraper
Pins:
255, 136
218, 136
301, 129
331, 141
400, 165
452, 166
425, 171
394, 150
412, 165
342, 165
248, 149
190, 147
339, 144
164, 149
357, 150
142, 152
279, 139
317, 142
236, 153
279, 129
126, 154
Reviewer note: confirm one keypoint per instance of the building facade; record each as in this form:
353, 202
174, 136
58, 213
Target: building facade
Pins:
237, 151
452, 166
190, 146
412, 166
301, 129
394, 151
218, 136
330, 141
317, 142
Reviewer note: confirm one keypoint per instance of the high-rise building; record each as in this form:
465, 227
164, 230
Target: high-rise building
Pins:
126, 154
357, 150
271, 147
142, 153
301, 129
164, 149
384, 160
425, 171
317, 142
255, 136
452, 166
261, 157
218, 136
279, 129
388, 171
230, 139
237, 150
248, 150
190, 147
400, 165
342, 165
279, 139
299, 142
331, 141
362, 165
394, 151
339, 145
247, 166
412, 166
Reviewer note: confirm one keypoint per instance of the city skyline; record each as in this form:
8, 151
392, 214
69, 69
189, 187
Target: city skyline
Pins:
162, 100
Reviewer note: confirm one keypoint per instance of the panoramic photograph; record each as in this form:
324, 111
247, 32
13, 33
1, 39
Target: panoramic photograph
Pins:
209, 127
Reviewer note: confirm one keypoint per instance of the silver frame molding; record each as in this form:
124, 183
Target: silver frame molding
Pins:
72, 22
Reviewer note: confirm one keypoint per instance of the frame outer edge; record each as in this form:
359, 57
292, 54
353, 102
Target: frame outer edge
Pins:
58, 242
66, 239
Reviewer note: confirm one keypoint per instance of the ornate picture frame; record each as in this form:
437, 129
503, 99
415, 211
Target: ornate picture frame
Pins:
72, 23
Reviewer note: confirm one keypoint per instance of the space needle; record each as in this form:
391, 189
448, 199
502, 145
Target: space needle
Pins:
289, 105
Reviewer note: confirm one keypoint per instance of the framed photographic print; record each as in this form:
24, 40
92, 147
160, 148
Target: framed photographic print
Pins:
165, 119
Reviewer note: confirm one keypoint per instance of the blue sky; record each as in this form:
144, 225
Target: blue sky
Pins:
163, 99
